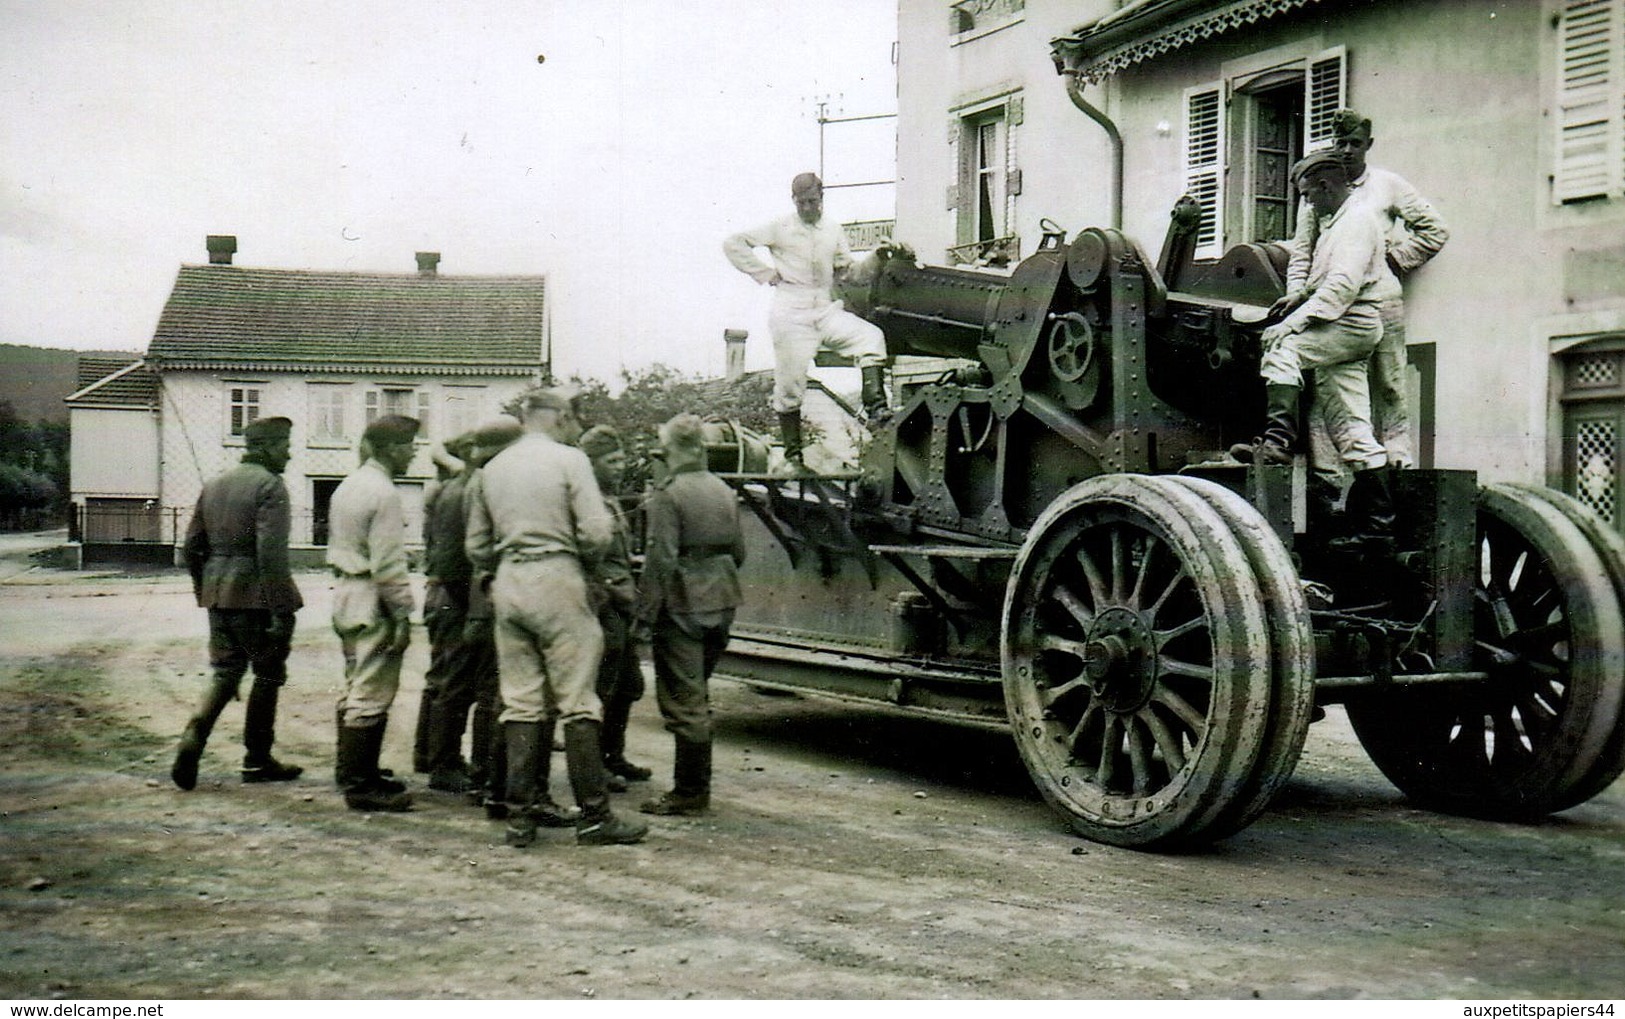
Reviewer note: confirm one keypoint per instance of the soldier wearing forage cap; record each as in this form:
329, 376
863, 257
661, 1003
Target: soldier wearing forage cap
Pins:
538, 527
1331, 325
1413, 233
809, 253
620, 677
372, 608
687, 598
237, 553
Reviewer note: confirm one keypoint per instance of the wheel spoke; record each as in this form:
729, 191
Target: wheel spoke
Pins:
1139, 757
1073, 605
1066, 645
1147, 546
1108, 753
1091, 574
1049, 695
1173, 752
1174, 633
1119, 566
1167, 592
1192, 718
1178, 667
1077, 734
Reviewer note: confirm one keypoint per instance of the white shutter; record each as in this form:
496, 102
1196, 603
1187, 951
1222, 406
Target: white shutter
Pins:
1590, 95
1204, 164
1325, 91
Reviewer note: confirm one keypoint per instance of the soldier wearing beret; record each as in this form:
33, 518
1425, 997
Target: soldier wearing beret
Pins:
1331, 325
687, 597
487, 755
372, 608
537, 527
615, 592
237, 553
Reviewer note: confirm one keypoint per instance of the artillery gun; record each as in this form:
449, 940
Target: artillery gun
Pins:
1046, 537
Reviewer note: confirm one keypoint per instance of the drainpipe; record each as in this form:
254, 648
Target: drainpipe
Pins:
1074, 92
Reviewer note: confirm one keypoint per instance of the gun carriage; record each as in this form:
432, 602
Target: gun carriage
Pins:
1046, 536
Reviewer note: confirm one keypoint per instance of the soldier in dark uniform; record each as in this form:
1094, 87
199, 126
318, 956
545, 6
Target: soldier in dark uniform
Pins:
687, 598
449, 683
450, 462
615, 594
237, 552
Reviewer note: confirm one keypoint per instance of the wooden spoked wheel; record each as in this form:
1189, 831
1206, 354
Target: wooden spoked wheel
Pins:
1542, 732
1136, 658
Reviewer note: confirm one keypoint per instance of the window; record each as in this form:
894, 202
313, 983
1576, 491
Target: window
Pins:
1590, 152
1594, 426
1243, 134
984, 198
464, 409
401, 401
244, 400
326, 424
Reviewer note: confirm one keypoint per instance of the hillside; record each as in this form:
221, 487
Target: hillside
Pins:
35, 380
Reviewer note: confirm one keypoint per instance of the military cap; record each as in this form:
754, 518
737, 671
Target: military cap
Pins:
1347, 122
458, 445
267, 429
806, 183
1319, 160
600, 440
392, 429
551, 398
685, 431
498, 431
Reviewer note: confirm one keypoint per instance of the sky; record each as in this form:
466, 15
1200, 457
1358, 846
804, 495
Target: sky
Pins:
609, 146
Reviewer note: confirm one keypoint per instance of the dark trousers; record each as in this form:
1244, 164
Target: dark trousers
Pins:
240, 639
686, 649
619, 677
451, 680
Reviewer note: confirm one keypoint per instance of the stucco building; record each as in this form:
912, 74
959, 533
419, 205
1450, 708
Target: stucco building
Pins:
330, 350
1509, 116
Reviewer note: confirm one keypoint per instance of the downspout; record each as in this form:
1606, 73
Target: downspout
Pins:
1074, 92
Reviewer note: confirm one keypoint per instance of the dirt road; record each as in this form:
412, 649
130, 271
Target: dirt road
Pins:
851, 853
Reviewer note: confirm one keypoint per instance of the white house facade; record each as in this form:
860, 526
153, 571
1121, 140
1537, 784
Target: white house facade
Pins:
1509, 117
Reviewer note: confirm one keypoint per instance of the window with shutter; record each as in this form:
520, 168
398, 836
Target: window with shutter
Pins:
1593, 404
1204, 164
1325, 86
1590, 150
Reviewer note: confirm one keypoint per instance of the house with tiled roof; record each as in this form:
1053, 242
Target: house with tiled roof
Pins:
113, 452
332, 351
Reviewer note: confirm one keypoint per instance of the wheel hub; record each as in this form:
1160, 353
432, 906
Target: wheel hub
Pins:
1120, 660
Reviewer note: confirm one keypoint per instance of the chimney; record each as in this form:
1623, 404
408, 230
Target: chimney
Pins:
735, 341
428, 263
221, 248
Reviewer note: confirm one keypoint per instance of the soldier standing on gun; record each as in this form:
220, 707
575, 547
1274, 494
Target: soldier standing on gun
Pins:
372, 609
809, 254
537, 522
620, 677
687, 598
237, 553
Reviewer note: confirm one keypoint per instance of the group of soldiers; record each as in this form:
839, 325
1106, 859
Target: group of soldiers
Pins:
1361, 231
534, 615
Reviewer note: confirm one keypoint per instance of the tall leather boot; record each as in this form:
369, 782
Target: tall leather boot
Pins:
598, 826
617, 712
548, 812
1280, 436
873, 396
525, 753
198, 728
481, 726
790, 432
422, 763
357, 769
691, 782
448, 772
259, 733
1370, 515
496, 778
